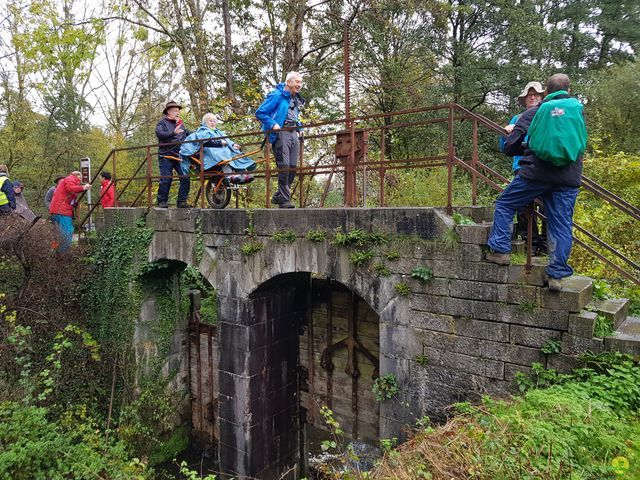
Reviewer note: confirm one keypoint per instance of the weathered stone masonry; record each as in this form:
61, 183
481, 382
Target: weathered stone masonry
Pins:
472, 327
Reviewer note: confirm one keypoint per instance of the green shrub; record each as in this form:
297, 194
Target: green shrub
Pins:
33, 447
316, 235
359, 258
424, 274
385, 387
284, 236
251, 247
402, 288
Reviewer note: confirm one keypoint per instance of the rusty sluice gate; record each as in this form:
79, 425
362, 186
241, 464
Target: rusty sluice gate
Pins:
322, 349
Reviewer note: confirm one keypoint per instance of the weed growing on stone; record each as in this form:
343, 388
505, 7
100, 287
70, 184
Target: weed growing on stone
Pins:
603, 326
382, 269
460, 219
392, 255
359, 238
422, 360
518, 258
251, 247
450, 239
284, 236
551, 347
385, 387
601, 290
361, 257
402, 288
424, 274
526, 306
316, 235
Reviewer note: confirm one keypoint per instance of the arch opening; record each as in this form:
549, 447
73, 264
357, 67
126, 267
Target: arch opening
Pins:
299, 342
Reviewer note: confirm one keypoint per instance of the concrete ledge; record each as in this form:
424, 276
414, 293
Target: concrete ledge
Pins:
615, 309
582, 324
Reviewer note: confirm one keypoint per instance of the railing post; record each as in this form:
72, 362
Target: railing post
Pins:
201, 176
350, 170
382, 169
474, 164
114, 175
530, 220
450, 155
301, 172
267, 171
149, 175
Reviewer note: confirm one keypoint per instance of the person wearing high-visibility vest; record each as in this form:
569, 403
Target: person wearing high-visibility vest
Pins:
7, 197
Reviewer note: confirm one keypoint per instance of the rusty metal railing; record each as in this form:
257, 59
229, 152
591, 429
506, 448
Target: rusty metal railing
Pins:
349, 170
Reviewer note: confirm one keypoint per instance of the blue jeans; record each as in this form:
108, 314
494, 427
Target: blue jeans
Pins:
65, 225
558, 204
166, 169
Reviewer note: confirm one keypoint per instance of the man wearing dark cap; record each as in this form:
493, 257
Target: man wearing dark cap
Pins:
49, 195
170, 130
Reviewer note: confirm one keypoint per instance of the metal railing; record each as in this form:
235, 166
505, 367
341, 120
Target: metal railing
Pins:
350, 170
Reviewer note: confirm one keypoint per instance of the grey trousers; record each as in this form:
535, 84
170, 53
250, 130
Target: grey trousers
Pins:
286, 149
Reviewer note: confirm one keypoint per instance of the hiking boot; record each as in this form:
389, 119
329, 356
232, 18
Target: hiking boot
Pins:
554, 284
498, 258
277, 199
163, 205
183, 205
286, 204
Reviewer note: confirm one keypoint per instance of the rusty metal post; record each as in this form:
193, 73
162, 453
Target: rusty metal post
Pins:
350, 170
347, 73
114, 175
149, 175
382, 169
267, 172
329, 288
474, 164
211, 394
530, 220
450, 155
201, 176
300, 172
312, 358
350, 173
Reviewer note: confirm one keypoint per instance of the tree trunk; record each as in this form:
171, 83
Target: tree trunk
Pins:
293, 36
228, 51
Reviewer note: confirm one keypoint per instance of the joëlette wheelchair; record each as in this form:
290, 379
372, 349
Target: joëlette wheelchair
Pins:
221, 180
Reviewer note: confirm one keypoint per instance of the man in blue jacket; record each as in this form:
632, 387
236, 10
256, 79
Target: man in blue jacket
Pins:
281, 109
556, 186
169, 130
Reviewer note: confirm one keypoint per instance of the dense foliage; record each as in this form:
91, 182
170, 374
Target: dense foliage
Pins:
584, 426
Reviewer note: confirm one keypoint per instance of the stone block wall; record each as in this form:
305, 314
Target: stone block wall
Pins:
462, 334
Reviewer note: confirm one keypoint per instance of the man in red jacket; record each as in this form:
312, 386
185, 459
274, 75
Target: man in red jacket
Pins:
107, 191
62, 204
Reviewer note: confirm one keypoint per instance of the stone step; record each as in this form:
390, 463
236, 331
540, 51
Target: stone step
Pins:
576, 294
626, 338
614, 309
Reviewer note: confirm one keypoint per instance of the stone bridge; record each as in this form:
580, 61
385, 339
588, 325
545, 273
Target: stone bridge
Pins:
314, 305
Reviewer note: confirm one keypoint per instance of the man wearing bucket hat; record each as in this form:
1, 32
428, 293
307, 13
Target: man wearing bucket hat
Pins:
170, 130
531, 95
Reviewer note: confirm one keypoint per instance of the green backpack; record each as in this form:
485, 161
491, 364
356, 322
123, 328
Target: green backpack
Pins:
558, 133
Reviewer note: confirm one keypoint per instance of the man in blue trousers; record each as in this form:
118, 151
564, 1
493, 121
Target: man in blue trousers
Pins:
556, 186
280, 109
